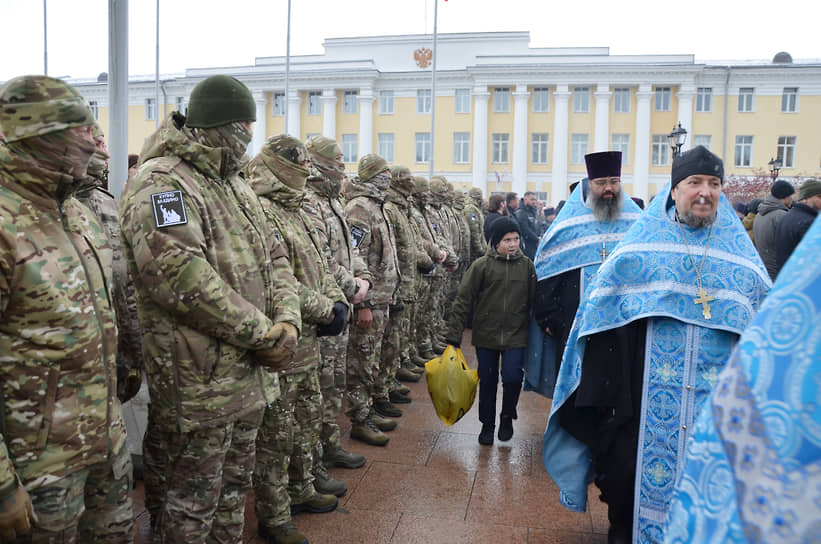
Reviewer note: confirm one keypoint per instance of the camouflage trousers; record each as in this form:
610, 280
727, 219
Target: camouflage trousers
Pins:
438, 296
90, 505
421, 320
332, 363
364, 358
196, 483
391, 352
287, 438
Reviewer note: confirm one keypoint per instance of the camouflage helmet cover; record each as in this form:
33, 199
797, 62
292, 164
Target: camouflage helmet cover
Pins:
35, 105
287, 147
475, 193
323, 147
370, 165
438, 185
400, 173
420, 185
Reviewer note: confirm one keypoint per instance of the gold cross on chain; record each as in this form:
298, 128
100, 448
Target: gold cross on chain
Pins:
703, 298
603, 253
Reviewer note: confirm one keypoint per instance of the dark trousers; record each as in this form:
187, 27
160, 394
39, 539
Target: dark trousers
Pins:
512, 375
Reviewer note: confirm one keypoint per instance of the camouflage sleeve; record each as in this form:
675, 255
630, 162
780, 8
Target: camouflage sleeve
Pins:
360, 270
477, 237
7, 483
361, 237
182, 280
286, 300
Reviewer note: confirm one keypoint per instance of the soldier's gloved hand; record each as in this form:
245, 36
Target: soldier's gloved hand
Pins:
285, 335
364, 318
364, 286
337, 325
130, 386
398, 307
16, 513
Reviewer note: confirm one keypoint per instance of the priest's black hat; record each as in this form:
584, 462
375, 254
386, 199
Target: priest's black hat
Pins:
698, 160
604, 164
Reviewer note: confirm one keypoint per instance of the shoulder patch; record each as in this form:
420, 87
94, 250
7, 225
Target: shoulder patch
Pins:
278, 236
435, 227
473, 217
169, 209
357, 235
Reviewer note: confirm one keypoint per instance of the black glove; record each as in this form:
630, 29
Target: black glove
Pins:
427, 270
396, 308
456, 344
336, 326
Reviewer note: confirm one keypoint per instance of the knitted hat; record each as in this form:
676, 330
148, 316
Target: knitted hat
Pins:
220, 100
809, 188
371, 165
604, 164
740, 207
698, 160
752, 206
500, 227
36, 105
782, 189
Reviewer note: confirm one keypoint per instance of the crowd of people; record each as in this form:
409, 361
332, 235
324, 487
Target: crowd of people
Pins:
259, 297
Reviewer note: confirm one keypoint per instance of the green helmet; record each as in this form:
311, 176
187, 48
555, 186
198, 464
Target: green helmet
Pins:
35, 105
475, 193
420, 185
220, 100
370, 165
323, 147
438, 185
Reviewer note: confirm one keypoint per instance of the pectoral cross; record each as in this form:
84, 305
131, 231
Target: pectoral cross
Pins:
603, 253
703, 298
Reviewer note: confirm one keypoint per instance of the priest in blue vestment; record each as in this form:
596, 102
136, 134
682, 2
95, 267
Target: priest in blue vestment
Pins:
753, 463
586, 231
652, 333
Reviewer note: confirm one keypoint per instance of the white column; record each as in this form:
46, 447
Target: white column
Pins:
294, 101
366, 100
260, 126
561, 97
685, 112
641, 163
329, 113
520, 97
480, 101
601, 139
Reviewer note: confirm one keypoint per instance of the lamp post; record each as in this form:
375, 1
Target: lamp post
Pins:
677, 139
775, 166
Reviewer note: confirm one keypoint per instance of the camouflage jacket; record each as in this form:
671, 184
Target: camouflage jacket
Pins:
373, 240
464, 233
129, 348
426, 236
476, 224
329, 222
316, 286
440, 228
409, 250
210, 280
58, 339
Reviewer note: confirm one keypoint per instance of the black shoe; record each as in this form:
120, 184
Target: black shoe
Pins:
618, 535
383, 407
398, 398
486, 436
505, 428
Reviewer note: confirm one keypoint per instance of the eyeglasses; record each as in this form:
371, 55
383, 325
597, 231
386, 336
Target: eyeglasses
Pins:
601, 182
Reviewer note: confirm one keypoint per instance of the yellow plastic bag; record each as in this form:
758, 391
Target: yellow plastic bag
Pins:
451, 384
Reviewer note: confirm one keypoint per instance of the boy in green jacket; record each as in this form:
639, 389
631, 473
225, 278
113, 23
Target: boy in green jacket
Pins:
500, 286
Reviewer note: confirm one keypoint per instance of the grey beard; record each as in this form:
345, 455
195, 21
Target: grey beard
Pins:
696, 222
606, 210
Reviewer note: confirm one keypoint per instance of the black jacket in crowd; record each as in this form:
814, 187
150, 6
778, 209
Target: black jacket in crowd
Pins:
791, 230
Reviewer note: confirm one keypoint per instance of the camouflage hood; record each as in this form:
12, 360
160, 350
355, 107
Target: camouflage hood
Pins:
265, 183
366, 189
321, 184
28, 174
174, 139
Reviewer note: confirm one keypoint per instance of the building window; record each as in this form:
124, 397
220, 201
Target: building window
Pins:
581, 99
349, 148
786, 151
704, 99
385, 102
150, 109
501, 99
278, 105
384, 146
745, 99
462, 101
789, 100
661, 150
743, 150
621, 142
461, 147
541, 100
538, 148
349, 101
578, 148
95, 110
621, 100
423, 147
314, 103
181, 106
500, 148
703, 139
422, 100
663, 99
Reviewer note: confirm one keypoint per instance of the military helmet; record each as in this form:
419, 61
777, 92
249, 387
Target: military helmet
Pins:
438, 185
289, 148
475, 193
323, 146
35, 105
398, 172
420, 185
220, 100
370, 165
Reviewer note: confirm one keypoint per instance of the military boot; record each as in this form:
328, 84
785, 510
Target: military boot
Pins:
420, 361
383, 423
318, 504
399, 398
428, 355
286, 533
340, 457
369, 433
406, 375
325, 484
399, 387
383, 407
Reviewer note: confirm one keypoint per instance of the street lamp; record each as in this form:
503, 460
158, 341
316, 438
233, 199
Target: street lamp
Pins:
677, 138
775, 166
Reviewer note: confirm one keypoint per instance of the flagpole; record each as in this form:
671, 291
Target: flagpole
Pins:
287, 66
157, 73
45, 40
433, 87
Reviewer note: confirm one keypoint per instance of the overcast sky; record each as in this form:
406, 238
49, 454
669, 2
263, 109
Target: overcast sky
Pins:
208, 33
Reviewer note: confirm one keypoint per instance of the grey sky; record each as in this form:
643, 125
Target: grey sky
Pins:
205, 33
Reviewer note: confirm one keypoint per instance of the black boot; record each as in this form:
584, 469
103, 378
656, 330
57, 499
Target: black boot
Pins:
486, 436
505, 428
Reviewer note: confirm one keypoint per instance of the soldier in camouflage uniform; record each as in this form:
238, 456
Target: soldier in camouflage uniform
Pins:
283, 478
62, 438
218, 310
476, 223
373, 240
321, 203
446, 230
458, 208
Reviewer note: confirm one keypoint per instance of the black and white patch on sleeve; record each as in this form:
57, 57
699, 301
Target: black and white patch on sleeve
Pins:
169, 209
473, 217
357, 235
